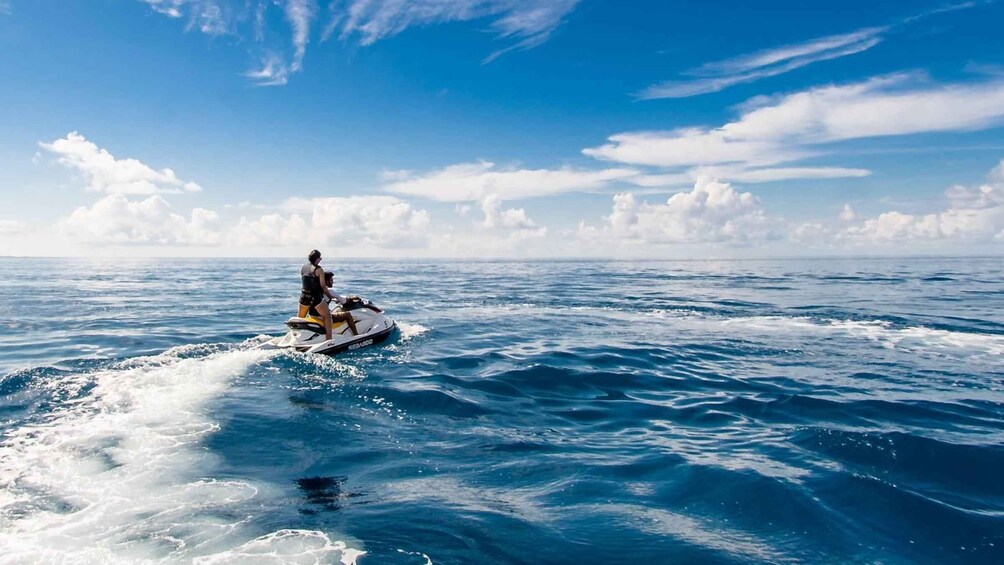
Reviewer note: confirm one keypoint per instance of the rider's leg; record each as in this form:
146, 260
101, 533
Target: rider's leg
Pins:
347, 318
322, 309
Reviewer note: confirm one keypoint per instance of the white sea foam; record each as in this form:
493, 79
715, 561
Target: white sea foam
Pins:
913, 338
409, 331
286, 546
119, 474
886, 334
428, 560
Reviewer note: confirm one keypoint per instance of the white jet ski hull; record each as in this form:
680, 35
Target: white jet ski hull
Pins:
307, 334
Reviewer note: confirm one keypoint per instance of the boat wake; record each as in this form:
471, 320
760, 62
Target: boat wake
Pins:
117, 470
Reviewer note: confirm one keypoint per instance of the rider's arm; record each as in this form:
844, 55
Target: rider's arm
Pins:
323, 283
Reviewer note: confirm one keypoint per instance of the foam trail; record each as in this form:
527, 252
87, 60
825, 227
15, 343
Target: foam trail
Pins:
117, 474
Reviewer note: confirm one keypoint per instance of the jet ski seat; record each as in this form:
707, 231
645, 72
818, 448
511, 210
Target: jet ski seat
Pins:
313, 324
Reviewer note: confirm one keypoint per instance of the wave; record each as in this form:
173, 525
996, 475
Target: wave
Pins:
118, 473
885, 333
913, 338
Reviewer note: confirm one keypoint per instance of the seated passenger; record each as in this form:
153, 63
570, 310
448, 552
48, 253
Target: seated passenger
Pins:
346, 317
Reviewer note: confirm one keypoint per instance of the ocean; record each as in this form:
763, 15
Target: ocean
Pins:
825, 411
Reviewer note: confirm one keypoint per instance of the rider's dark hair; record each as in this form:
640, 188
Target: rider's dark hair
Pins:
314, 257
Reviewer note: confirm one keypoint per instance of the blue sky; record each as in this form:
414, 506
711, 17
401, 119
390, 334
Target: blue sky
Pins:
501, 127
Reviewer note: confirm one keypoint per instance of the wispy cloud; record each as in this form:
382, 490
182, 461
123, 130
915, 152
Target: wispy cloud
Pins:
274, 69
529, 22
797, 126
299, 13
521, 24
745, 175
719, 75
469, 182
694, 87
531, 25
212, 17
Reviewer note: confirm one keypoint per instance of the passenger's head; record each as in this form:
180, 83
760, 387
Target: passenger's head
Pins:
314, 257
329, 278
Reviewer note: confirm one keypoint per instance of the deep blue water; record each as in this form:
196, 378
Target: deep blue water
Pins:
529, 412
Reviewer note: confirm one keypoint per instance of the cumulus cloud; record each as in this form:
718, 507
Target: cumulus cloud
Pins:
497, 217
104, 173
507, 226
972, 214
848, 214
381, 221
773, 61
796, 126
117, 220
471, 182
713, 212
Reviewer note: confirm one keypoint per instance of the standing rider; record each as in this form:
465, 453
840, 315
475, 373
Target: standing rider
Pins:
313, 291
316, 293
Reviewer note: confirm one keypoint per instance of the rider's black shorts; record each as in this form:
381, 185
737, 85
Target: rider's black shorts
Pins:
310, 299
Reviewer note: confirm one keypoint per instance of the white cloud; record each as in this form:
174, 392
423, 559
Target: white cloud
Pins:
273, 71
755, 67
212, 17
529, 22
776, 55
711, 212
522, 24
380, 221
692, 146
104, 173
997, 174
741, 174
795, 126
474, 181
117, 220
848, 214
719, 75
299, 13
172, 8
973, 214
12, 227
811, 233
509, 218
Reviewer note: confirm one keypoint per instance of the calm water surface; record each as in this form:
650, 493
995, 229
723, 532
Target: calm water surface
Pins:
527, 412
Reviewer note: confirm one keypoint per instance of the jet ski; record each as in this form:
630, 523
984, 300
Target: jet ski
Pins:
307, 334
